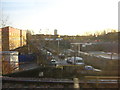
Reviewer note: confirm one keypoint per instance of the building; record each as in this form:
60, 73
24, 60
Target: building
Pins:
10, 62
55, 32
11, 38
0, 39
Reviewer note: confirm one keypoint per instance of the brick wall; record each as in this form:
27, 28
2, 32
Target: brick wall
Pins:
5, 39
12, 38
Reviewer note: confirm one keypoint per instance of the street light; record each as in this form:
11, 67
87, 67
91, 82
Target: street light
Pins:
58, 43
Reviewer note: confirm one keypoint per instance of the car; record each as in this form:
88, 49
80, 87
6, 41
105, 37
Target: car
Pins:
90, 68
54, 62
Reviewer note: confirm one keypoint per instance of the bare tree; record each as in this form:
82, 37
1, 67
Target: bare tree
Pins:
4, 20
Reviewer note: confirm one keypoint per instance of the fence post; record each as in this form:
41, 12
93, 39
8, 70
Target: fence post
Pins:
76, 83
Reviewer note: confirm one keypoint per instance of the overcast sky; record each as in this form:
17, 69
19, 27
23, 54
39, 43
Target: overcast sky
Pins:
69, 17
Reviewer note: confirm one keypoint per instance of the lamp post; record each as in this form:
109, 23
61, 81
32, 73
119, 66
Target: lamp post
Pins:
58, 46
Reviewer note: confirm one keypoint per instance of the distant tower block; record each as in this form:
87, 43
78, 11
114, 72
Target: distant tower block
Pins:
55, 32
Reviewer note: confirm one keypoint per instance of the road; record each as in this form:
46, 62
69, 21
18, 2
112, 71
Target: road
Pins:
101, 54
63, 62
27, 66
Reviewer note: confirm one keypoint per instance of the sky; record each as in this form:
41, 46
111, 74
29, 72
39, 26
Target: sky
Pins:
69, 17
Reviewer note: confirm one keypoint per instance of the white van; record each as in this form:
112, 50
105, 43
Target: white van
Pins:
76, 60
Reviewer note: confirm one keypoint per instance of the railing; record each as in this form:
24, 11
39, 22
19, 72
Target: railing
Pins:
87, 82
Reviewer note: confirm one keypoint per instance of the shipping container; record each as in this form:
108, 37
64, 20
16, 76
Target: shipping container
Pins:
9, 60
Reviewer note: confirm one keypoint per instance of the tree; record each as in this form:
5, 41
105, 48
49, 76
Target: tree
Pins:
4, 20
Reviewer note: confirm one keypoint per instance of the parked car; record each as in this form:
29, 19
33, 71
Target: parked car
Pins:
90, 68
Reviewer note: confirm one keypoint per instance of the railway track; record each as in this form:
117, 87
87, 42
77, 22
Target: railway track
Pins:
13, 82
